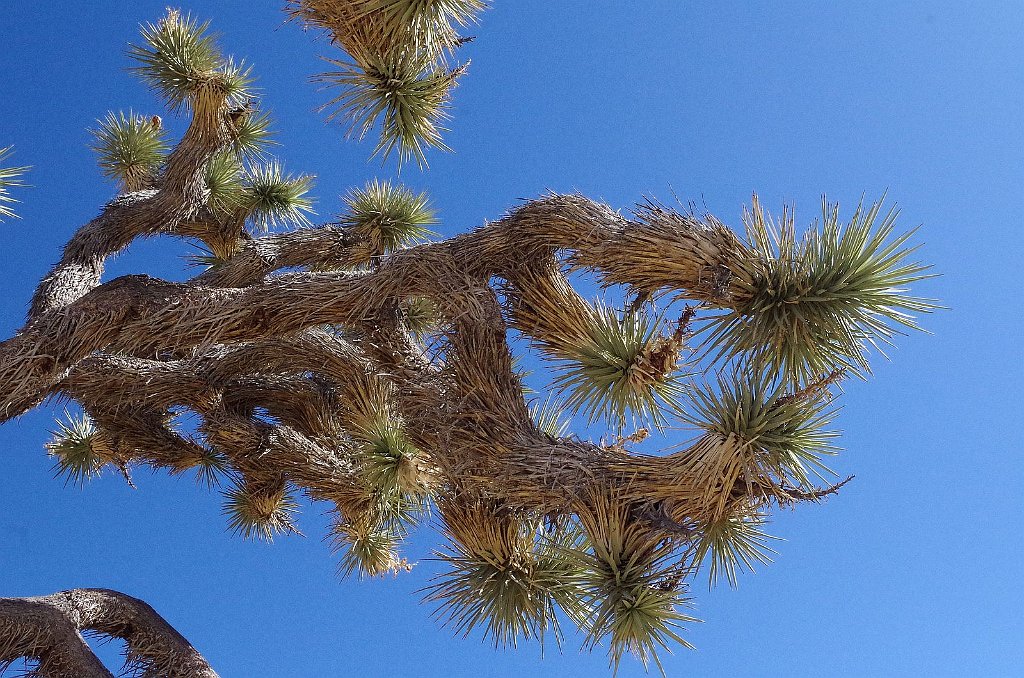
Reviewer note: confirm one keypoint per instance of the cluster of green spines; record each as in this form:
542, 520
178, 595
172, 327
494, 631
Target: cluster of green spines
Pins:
512, 595
255, 513
785, 434
389, 216
734, 543
426, 23
407, 94
271, 197
605, 377
130, 147
632, 585
74, 451
9, 177
368, 552
816, 304
179, 60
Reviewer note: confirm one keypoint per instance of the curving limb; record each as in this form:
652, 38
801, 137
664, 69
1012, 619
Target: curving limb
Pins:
47, 631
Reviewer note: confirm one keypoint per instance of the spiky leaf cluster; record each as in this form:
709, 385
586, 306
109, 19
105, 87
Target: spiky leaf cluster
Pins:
428, 25
408, 96
271, 197
130, 148
79, 455
398, 76
260, 512
817, 303
179, 60
735, 543
623, 370
505, 576
632, 585
387, 216
783, 435
9, 177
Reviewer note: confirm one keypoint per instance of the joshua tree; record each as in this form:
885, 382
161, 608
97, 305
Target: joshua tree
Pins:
379, 377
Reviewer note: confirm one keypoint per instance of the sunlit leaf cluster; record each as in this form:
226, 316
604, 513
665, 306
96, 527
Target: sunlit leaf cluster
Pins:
179, 60
817, 303
622, 372
387, 216
9, 177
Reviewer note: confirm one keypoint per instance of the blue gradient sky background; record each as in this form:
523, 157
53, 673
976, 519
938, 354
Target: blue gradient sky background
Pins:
914, 569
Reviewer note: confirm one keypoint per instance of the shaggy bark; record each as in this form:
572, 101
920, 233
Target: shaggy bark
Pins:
48, 631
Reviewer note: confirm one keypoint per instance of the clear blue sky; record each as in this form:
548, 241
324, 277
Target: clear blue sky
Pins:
914, 569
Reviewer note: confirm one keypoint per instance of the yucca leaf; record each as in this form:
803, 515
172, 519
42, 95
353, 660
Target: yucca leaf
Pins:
224, 181
782, 435
78, 456
816, 304
427, 25
734, 543
367, 550
504, 576
407, 94
130, 147
632, 587
613, 375
272, 197
177, 59
250, 134
549, 417
387, 216
258, 512
9, 177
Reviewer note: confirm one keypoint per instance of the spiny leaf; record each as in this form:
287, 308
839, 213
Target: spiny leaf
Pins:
408, 94
224, 180
735, 542
505, 577
549, 417
783, 436
427, 25
816, 304
9, 177
262, 513
388, 216
74, 447
178, 60
631, 586
250, 134
272, 197
367, 550
130, 147
614, 373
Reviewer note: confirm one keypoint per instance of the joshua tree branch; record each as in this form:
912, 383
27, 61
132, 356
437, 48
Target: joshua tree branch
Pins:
47, 630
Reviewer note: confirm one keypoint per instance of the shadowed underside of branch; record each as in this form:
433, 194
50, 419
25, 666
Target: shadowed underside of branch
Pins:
359, 365
47, 631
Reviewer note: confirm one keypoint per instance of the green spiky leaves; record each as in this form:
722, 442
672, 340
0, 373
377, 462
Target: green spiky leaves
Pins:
631, 585
9, 177
428, 25
180, 61
782, 435
407, 95
387, 217
816, 304
624, 369
130, 148
272, 197
504, 576
260, 512
261, 192
78, 450
398, 77
735, 543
